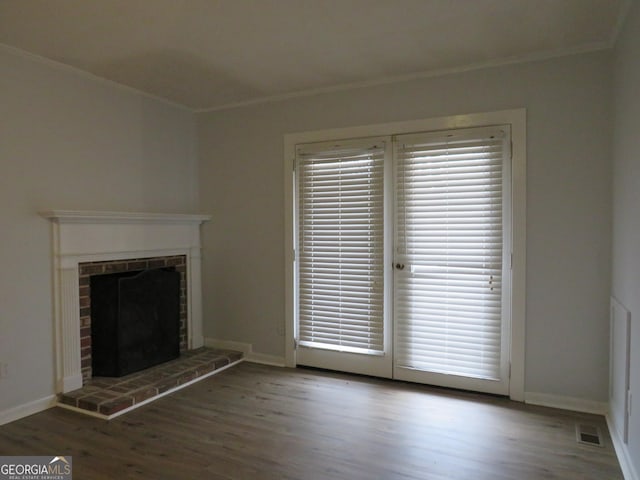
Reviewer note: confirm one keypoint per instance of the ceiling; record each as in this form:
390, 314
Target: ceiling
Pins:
208, 54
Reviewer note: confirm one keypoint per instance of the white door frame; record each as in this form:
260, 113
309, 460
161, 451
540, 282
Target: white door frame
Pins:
517, 119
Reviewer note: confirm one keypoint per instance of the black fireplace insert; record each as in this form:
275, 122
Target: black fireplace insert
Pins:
135, 320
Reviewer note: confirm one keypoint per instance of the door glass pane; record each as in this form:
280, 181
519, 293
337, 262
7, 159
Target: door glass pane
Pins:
340, 203
449, 237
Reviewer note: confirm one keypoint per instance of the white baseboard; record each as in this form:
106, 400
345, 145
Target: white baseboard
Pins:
27, 409
266, 359
622, 452
247, 350
566, 403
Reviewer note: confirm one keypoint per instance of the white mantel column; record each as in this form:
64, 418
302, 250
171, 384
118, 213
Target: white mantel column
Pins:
196, 336
69, 361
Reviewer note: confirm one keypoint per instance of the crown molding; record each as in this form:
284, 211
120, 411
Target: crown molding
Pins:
437, 72
440, 72
64, 67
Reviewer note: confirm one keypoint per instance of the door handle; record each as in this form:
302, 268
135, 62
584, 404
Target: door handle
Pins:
400, 266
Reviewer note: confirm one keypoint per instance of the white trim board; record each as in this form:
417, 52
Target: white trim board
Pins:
619, 367
438, 72
266, 99
566, 403
622, 452
101, 217
247, 350
21, 411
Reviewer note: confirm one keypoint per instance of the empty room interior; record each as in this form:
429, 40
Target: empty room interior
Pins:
321, 239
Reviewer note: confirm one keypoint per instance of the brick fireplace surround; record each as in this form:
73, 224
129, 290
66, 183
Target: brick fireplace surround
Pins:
81, 238
88, 269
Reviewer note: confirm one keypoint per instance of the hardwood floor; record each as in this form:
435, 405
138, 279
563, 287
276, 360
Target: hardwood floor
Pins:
259, 422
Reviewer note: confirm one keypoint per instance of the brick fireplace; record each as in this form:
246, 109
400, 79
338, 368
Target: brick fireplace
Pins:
86, 243
89, 269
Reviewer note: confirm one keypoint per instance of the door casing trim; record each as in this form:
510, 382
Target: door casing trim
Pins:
517, 119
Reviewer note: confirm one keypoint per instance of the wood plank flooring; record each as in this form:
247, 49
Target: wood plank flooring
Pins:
259, 422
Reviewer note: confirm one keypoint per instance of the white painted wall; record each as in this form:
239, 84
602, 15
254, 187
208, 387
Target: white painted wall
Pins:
568, 196
68, 141
626, 203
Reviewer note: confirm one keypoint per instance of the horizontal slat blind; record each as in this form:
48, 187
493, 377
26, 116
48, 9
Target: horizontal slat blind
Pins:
448, 299
340, 246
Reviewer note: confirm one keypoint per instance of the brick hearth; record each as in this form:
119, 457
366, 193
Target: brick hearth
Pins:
108, 396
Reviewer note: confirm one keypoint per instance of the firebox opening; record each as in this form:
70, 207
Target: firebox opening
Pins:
135, 320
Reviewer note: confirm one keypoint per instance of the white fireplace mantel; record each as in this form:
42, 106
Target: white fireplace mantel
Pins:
88, 236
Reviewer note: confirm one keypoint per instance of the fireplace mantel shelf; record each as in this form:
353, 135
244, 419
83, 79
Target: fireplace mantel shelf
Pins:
88, 216
98, 236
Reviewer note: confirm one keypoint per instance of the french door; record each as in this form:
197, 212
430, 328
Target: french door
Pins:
342, 256
402, 257
452, 259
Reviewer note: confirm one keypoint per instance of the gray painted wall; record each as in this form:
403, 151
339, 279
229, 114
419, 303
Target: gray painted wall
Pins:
626, 202
68, 141
569, 204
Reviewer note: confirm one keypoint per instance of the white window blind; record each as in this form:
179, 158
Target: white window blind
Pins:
340, 198
449, 236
